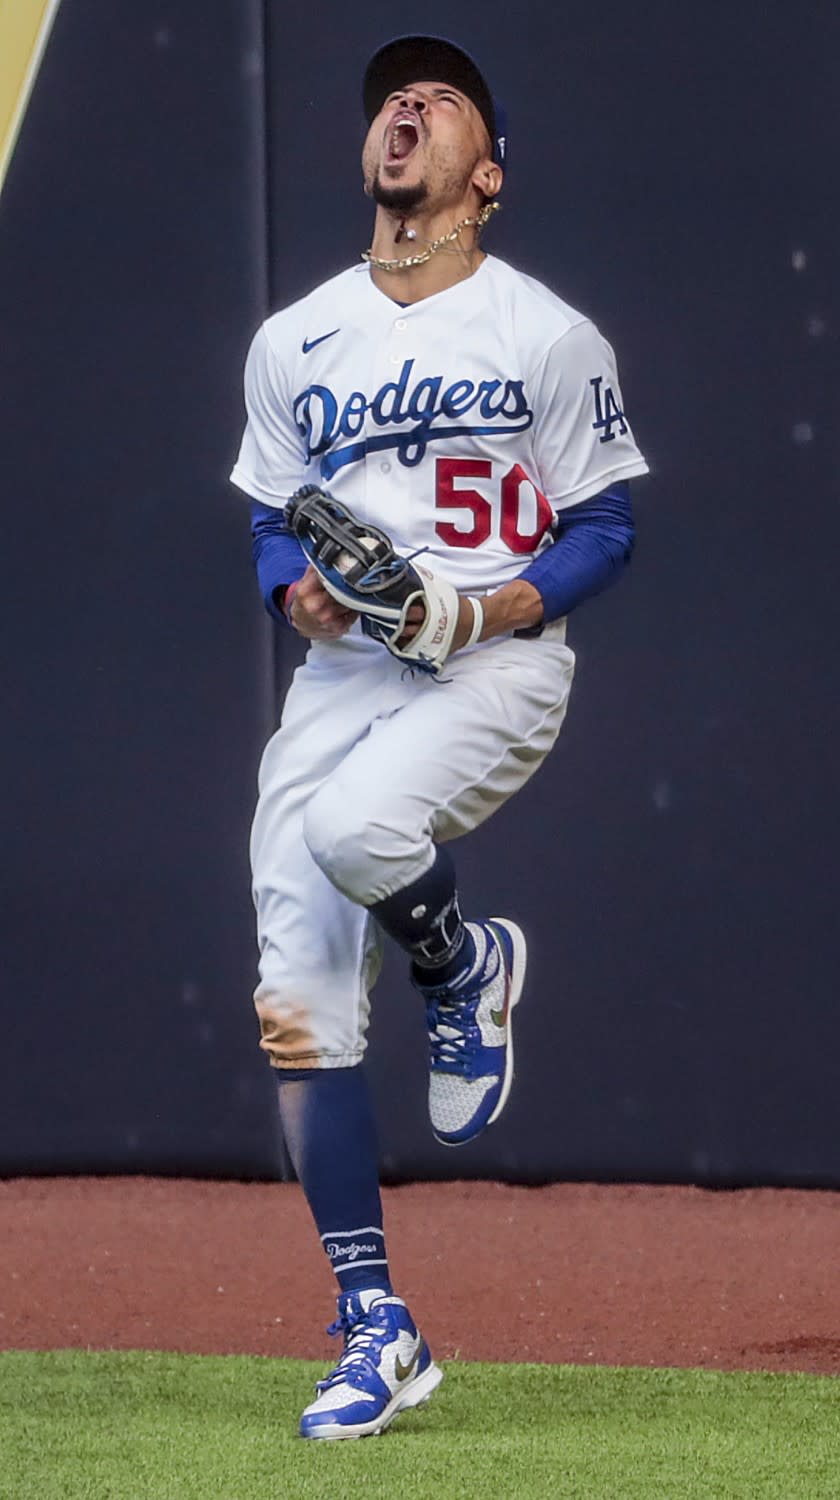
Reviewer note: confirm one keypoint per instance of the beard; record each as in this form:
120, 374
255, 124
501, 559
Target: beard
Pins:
399, 200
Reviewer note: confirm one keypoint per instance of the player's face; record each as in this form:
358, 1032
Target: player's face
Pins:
423, 147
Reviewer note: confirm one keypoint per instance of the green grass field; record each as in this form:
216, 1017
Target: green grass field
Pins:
79, 1426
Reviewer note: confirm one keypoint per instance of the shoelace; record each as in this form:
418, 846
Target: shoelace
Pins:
454, 1035
364, 1333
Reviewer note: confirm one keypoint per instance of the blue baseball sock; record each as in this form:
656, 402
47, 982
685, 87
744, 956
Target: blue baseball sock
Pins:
425, 919
330, 1132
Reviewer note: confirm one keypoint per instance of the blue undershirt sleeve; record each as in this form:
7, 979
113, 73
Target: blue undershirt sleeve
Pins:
592, 547
278, 556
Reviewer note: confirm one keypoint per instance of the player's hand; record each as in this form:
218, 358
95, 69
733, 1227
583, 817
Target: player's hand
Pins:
416, 616
315, 613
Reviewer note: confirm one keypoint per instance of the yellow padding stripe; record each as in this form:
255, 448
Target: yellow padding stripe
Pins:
24, 31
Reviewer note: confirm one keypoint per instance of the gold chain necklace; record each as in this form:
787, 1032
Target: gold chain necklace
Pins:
433, 245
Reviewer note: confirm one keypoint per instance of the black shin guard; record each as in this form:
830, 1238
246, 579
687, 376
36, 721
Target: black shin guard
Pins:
424, 917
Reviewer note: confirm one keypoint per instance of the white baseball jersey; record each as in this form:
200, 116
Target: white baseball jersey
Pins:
459, 424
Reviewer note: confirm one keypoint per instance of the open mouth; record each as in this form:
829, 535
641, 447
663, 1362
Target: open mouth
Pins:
401, 138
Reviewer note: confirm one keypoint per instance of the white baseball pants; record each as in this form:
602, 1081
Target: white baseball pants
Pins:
369, 769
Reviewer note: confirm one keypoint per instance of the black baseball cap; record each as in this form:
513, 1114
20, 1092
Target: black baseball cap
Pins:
407, 59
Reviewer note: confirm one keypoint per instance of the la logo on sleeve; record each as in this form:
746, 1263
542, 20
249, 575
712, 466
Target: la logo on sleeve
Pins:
608, 413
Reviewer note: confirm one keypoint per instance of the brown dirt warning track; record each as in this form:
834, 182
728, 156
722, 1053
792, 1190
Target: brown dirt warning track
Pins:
566, 1274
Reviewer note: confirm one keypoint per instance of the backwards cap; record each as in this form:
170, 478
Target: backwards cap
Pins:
408, 59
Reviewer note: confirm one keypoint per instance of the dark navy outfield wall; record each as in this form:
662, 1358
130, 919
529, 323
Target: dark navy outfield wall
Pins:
135, 660
672, 173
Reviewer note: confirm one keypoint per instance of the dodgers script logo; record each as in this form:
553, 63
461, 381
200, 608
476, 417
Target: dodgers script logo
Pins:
351, 1252
500, 405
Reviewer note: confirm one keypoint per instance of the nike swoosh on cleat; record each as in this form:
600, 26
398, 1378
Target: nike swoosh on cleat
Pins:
402, 1371
309, 344
499, 1017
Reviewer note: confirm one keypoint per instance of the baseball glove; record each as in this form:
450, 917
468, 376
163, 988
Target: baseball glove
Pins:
358, 565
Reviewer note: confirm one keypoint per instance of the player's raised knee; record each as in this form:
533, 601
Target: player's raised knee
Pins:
354, 842
333, 831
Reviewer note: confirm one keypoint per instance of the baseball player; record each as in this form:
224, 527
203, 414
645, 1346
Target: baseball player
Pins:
462, 410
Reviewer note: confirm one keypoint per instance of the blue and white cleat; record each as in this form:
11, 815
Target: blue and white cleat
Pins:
386, 1367
470, 1037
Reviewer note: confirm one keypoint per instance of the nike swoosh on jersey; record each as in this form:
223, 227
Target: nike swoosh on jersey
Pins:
309, 344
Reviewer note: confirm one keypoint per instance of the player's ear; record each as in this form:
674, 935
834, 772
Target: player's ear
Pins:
488, 178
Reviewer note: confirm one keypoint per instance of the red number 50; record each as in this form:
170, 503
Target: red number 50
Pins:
450, 497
